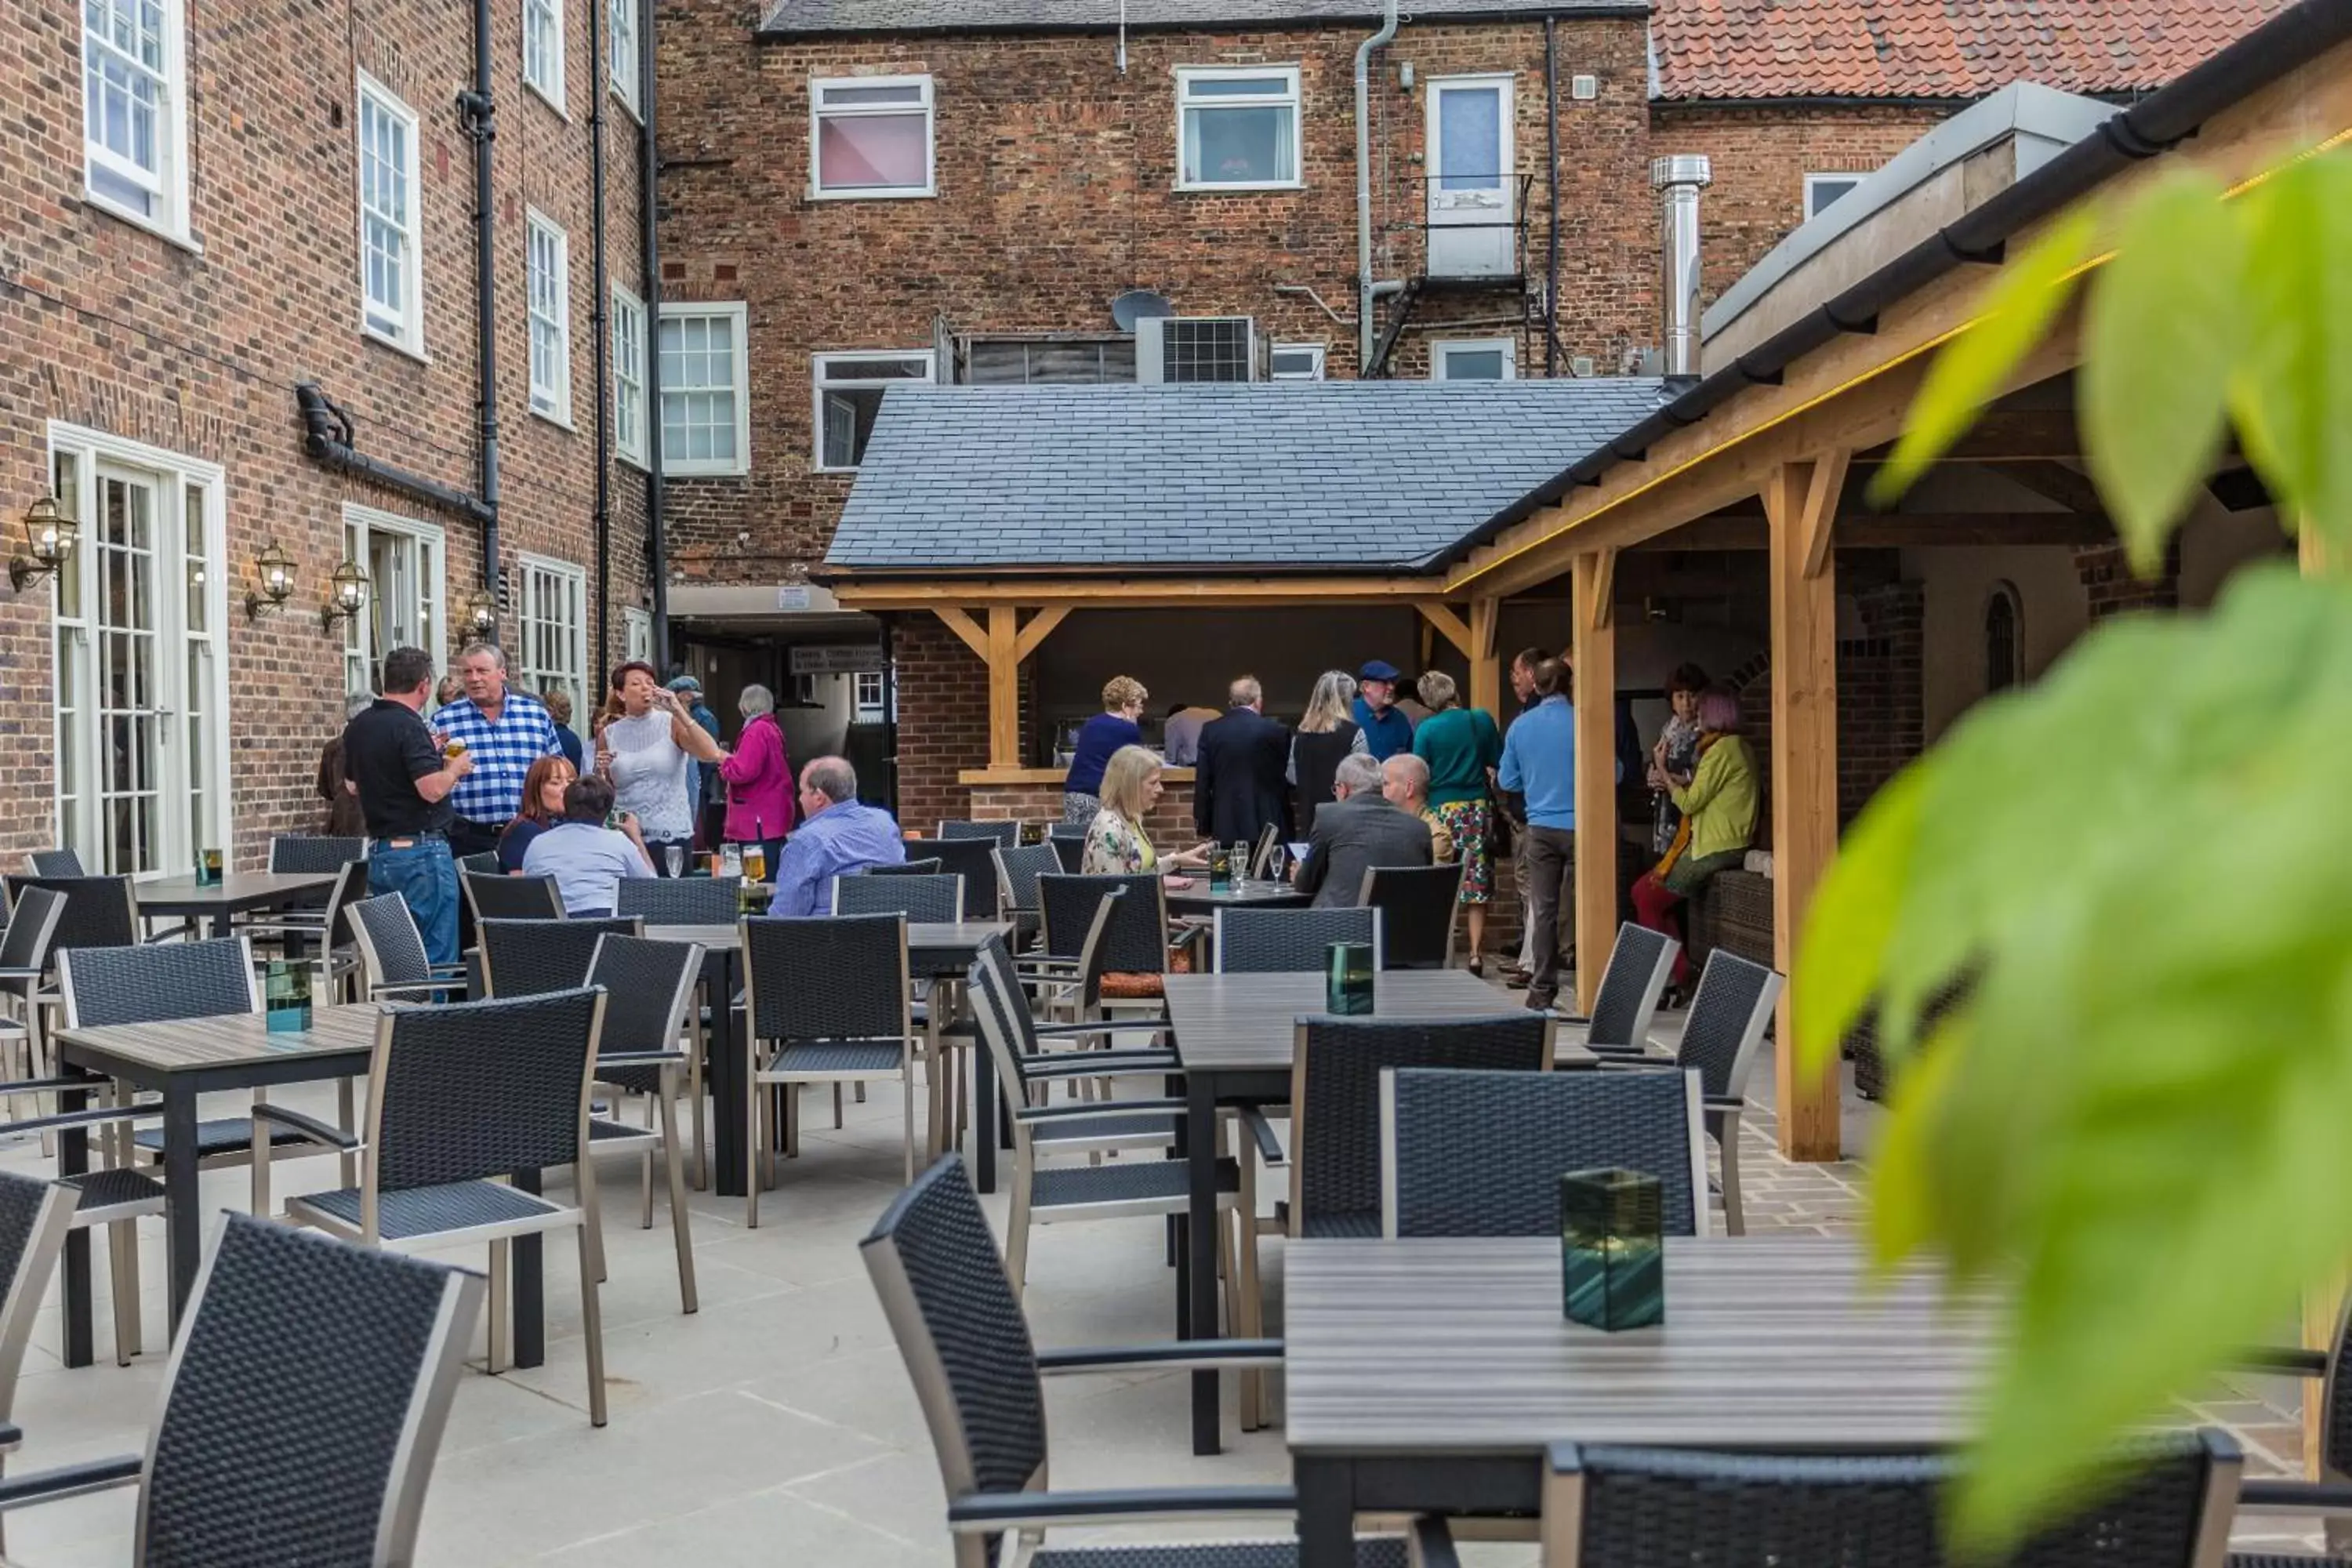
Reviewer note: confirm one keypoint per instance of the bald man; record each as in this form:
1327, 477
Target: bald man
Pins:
1404, 779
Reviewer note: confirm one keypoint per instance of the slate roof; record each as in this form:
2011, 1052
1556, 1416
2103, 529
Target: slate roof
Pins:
1735, 50
793, 18
1339, 475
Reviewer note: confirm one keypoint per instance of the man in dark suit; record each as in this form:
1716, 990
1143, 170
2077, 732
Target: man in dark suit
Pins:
1238, 787
1359, 829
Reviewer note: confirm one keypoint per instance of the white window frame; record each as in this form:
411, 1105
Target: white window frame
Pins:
819, 383
553, 653
556, 393
408, 336
688, 467
625, 24
362, 660
637, 633
1442, 349
1319, 352
549, 84
629, 375
1814, 180
877, 710
168, 181
1290, 99
819, 113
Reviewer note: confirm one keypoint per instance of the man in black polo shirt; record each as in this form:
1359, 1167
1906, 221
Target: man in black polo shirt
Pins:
404, 785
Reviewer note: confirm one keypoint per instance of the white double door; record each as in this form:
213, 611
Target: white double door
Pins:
1473, 187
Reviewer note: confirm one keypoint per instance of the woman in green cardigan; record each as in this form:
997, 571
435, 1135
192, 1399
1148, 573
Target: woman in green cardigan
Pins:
1718, 803
1462, 747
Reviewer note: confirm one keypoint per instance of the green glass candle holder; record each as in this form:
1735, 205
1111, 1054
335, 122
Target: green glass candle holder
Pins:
1612, 1257
286, 991
208, 868
1221, 868
1348, 978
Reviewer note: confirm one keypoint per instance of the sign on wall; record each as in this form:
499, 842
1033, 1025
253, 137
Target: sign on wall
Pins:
836, 658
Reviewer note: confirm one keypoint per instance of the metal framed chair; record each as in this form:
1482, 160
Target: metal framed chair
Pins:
25, 957
1272, 941
680, 900
648, 988
56, 862
937, 899
926, 867
1480, 1153
1665, 1507
1640, 961
301, 1410
496, 898
100, 911
1069, 847
1004, 834
35, 1216
1419, 907
1134, 943
958, 1322
826, 1001
1017, 870
392, 960
974, 860
2331, 1494
532, 957
459, 1097
304, 852
329, 927
484, 861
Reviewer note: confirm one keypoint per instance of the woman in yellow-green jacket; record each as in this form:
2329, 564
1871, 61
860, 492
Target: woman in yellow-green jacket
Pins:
1719, 802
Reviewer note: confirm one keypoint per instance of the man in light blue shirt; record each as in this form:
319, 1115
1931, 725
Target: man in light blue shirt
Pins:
1539, 762
837, 836
588, 860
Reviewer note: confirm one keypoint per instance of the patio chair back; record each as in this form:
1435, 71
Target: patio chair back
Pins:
832, 977
1017, 870
350, 887
307, 852
485, 862
1069, 847
1728, 1014
157, 980
1417, 905
56, 862
939, 898
1008, 1028
1262, 856
479, 1090
929, 867
647, 986
530, 958
1664, 1507
1289, 941
681, 900
100, 911
1481, 1153
942, 1285
1335, 1100
304, 1402
392, 950
32, 929
973, 860
496, 897
1136, 939
35, 1216
1639, 963
1005, 834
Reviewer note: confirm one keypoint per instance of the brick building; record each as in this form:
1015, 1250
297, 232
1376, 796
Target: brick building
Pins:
207, 207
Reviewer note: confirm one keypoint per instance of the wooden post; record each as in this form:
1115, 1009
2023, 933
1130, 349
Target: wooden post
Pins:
1593, 645
1486, 675
1003, 687
1801, 503
2324, 1306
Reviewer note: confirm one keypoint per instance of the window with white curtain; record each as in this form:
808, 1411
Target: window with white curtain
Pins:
1238, 127
872, 137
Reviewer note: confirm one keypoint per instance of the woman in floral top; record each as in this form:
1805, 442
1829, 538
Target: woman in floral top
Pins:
1116, 845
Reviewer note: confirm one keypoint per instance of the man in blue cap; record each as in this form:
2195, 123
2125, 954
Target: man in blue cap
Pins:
701, 782
1387, 729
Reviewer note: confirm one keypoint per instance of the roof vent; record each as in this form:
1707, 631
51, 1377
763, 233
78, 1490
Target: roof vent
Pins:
1678, 181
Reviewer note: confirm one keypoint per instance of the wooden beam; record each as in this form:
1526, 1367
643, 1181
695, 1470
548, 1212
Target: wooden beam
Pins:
1454, 629
1862, 531
1804, 785
1003, 687
2070, 488
1818, 522
2007, 436
1593, 658
1486, 675
1041, 627
960, 623
908, 592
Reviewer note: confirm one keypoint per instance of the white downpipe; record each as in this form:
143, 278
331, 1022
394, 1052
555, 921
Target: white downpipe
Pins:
1364, 289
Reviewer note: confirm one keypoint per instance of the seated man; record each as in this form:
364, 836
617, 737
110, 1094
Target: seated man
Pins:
587, 858
1358, 830
837, 836
1404, 779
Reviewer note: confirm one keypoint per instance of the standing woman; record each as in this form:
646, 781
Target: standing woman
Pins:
643, 749
1719, 802
1676, 756
758, 780
1326, 736
1098, 739
1463, 748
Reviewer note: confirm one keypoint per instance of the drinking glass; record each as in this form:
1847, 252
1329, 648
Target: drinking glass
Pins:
730, 859
676, 855
755, 863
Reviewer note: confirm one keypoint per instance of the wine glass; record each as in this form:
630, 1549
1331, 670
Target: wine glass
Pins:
676, 854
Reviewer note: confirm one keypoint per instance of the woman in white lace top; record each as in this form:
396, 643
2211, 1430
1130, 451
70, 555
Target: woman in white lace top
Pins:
643, 749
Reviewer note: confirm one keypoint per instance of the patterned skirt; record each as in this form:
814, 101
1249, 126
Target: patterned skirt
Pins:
1079, 809
1472, 831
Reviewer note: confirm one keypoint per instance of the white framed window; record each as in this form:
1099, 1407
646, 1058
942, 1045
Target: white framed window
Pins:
849, 388
407, 584
549, 281
392, 267
554, 629
1297, 361
870, 136
625, 63
136, 112
1237, 128
628, 376
637, 633
1821, 190
705, 403
870, 697
1474, 359
542, 50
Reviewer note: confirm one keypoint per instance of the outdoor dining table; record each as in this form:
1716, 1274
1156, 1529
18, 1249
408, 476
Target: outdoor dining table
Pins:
1201, 898
182, 1058
1429, 1375
935, 951
235, 893
1235, 1035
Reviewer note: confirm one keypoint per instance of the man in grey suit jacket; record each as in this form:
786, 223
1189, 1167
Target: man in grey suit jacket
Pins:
1359, 829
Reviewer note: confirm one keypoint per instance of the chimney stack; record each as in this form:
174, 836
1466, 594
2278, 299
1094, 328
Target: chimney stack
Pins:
1678, 181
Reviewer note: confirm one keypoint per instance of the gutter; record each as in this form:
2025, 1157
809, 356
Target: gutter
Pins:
649, 261
786, 34
2148, 129
327, 436
479, 114
600, 322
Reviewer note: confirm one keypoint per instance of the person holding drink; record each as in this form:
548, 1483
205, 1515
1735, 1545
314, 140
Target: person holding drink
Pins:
1116, 845
405, 782
642, 750
504, 731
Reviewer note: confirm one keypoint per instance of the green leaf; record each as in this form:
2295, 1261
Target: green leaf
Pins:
1842, 956
1974, 367
2291, 396
2161, 329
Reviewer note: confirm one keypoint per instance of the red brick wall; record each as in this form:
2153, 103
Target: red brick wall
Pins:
942, 720
107, 325
1881, 714
2108, 580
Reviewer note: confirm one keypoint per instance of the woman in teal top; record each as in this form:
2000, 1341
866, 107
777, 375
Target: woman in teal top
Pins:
1462, 747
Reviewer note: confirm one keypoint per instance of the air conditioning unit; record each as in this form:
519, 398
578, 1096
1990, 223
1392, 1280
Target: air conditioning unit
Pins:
1200, 348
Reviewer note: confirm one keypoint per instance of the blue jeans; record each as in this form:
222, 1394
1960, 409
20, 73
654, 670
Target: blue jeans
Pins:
426, 876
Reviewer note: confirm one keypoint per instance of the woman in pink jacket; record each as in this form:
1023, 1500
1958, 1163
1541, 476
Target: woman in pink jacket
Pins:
758, 779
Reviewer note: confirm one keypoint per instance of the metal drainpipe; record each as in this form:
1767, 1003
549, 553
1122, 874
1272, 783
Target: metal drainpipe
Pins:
649, 262
478, 111
1364, 293
600, 321
1551, 183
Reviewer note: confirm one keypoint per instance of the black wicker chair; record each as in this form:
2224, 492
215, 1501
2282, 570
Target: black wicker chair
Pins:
532, 957
1418, 907
303, 852
929, 867
1667, 1508
302, 1409
2331, 1495
967, 1348
56, 862
35, 1216
1069, 847
392, 960
25, 957
826, 1001
1272, 941
458, 1099
496, 897
647, 987
937, 898
1135, 943
483, 862
974, 860
328, 926
1640, 961
100, 911
1017, 870
680, 900
1481, 1153
1728, 1014
919, 899
1004, 834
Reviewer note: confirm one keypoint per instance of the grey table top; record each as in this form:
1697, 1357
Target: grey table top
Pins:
1458, 1347
185, 1045
234, 890
1260, 894
1245, 1023
948, 941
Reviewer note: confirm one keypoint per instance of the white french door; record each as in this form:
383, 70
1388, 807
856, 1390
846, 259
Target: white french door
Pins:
1473, 191
403, 559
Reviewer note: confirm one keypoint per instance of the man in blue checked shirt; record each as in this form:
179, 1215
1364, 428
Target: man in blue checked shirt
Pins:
505, 731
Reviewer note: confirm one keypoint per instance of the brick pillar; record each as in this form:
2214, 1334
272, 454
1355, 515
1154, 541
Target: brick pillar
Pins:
2107, 579
1882, 719
942, 721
